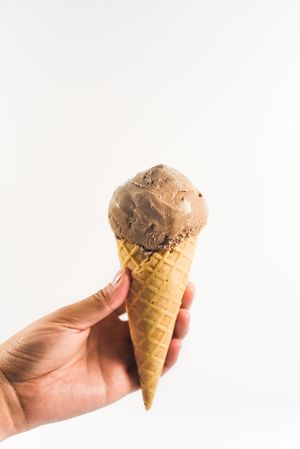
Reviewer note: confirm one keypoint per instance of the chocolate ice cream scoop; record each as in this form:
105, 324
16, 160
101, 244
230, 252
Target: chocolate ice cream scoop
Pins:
157, 209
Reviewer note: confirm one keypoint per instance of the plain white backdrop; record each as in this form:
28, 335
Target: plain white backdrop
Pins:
93, 92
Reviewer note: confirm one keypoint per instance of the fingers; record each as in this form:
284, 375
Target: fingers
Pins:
95, 308
182, 324
183, 318
180, 331
188, 296
181, 327
173, 354
120, 310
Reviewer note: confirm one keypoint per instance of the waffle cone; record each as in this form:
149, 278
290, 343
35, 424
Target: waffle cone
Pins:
158, 282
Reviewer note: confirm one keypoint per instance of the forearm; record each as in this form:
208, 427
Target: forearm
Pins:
11, 414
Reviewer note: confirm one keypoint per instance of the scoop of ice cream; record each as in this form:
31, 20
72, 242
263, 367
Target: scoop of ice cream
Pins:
157, 209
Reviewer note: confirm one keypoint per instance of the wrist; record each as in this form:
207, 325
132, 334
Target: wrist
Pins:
11, 414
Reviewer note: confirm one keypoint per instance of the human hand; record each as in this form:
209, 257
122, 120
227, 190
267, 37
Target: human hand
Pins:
75, 360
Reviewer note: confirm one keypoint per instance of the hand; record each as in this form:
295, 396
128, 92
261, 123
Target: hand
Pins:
78, 358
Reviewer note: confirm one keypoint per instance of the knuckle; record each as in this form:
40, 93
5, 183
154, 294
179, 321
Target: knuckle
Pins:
103, 299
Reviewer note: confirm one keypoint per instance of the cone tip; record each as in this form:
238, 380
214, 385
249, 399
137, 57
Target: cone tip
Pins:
147, 406
148, 397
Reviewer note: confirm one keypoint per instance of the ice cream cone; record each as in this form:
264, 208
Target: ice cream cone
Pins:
159, 279
156, 217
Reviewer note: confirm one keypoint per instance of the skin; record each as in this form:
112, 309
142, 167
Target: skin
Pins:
75, 360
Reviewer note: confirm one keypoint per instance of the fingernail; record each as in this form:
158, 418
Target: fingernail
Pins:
117, 278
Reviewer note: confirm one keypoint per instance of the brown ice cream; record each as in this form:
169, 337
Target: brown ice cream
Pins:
157, 209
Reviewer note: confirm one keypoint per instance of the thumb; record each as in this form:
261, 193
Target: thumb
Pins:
89, 311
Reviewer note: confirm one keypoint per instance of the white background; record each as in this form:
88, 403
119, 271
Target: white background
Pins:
93, 92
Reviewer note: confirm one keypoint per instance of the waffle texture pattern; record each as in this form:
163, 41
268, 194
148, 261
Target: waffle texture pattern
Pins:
158, 282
